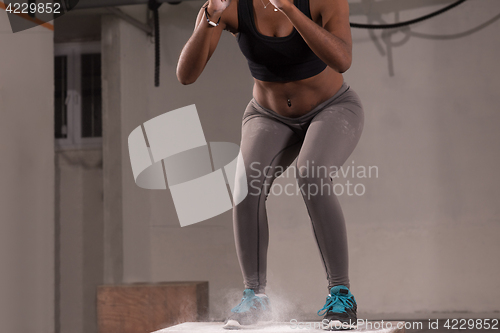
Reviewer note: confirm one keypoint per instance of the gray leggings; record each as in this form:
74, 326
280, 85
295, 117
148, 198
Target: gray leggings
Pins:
326, 137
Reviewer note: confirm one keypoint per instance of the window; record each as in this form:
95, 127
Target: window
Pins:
78, 95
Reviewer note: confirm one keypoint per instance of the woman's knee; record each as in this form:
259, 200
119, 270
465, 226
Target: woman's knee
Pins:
310, 168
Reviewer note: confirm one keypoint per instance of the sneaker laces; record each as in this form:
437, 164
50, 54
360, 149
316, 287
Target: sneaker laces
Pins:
249, 301
332, 300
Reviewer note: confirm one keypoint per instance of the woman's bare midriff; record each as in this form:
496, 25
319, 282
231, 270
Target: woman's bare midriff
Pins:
297, 98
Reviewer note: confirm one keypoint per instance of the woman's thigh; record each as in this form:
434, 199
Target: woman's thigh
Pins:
268, 147
332, 135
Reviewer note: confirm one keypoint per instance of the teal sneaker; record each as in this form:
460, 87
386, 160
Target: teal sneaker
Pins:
339, 310
251, 309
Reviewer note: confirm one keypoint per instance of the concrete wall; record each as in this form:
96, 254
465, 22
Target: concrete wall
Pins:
79, 220
423, 238
26, 179
127, 82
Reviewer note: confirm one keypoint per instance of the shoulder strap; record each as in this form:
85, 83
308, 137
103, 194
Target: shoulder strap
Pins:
244, 15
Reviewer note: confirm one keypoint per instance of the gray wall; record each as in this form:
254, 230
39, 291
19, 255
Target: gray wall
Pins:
26, 179
423, 238
79, 221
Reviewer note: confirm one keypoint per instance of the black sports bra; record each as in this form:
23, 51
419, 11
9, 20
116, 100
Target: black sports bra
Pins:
276, 59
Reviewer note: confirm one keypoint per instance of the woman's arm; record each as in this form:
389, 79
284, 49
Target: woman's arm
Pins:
332, 43
202, 43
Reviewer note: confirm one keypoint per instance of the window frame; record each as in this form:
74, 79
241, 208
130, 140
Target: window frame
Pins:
73, 52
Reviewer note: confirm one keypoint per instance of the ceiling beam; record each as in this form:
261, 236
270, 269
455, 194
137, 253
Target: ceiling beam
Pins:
138, 24
88, 4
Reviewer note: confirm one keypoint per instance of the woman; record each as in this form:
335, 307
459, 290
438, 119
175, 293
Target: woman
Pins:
297, 51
